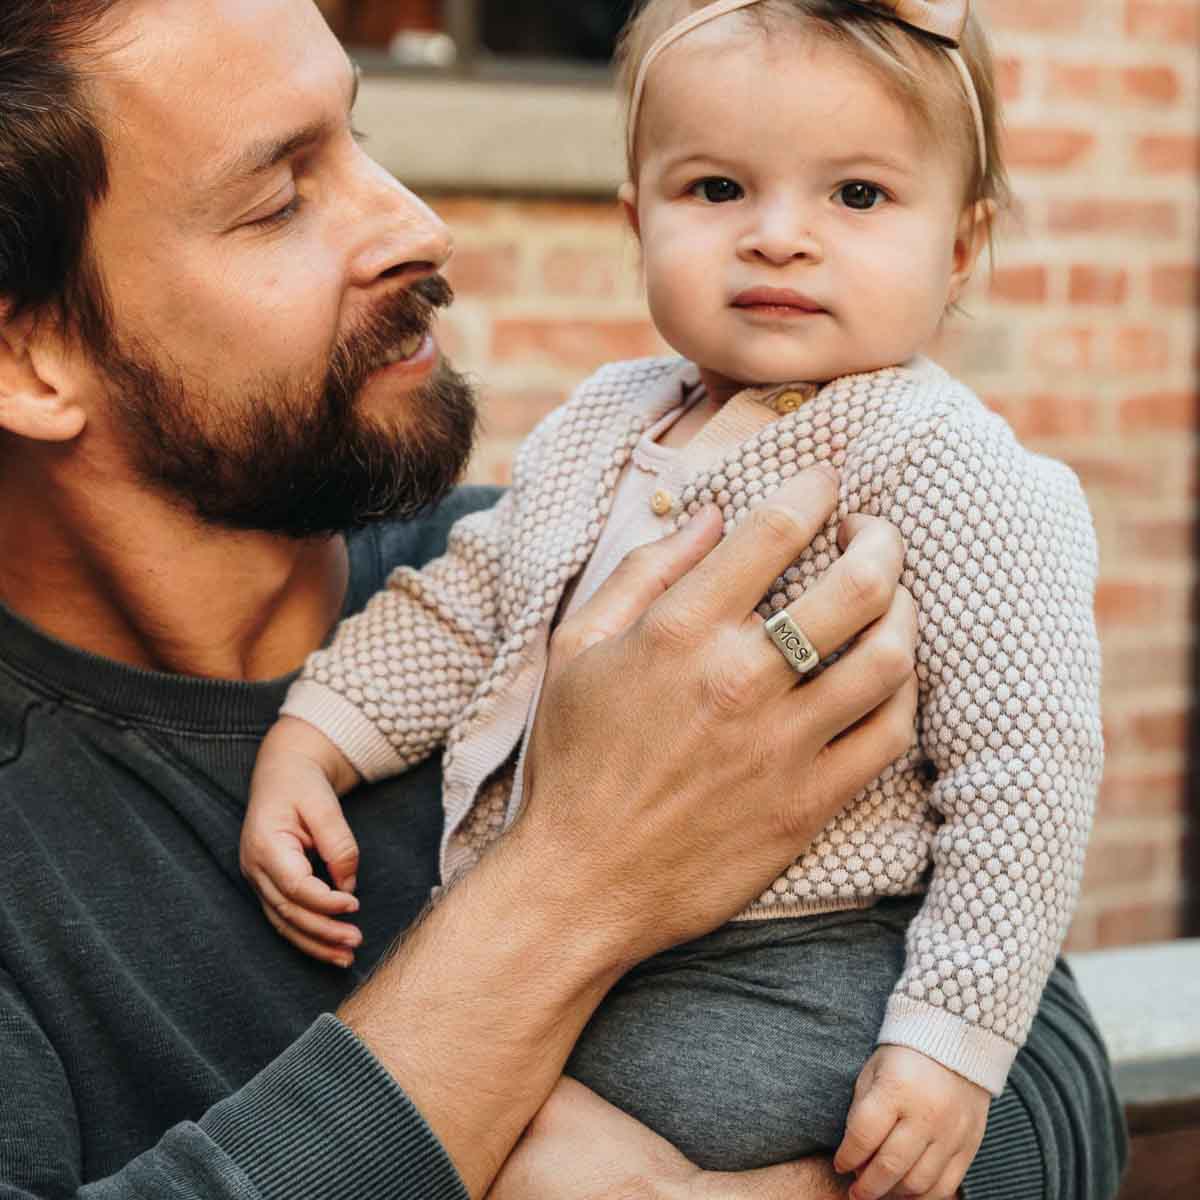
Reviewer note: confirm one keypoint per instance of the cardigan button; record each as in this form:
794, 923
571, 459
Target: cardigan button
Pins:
789, 402
661, 503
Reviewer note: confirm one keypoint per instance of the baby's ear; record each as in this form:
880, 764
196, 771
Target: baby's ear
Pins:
627, 195
973, 234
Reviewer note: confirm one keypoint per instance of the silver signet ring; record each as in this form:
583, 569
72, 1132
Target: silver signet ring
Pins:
791, 642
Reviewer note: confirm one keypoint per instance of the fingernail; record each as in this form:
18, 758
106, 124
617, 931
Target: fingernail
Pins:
350, 884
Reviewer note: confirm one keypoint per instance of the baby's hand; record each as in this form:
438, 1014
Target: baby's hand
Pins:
913, 1129
294, 808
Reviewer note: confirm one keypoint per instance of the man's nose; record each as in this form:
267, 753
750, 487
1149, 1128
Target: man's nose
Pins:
780, 235
400, 238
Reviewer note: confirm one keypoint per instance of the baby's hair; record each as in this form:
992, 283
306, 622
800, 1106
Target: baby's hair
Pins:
911, 64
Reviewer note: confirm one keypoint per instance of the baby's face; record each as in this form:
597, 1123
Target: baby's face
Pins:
796, 222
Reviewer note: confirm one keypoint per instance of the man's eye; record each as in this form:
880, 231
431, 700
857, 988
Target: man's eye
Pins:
717, 190
861, 196
280, 217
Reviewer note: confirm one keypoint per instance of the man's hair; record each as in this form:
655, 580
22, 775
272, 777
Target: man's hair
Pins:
53, 165
911, 64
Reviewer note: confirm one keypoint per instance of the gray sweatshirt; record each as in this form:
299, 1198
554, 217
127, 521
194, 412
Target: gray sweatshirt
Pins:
158, 1039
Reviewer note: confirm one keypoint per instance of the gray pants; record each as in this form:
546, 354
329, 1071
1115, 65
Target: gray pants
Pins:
742, 1048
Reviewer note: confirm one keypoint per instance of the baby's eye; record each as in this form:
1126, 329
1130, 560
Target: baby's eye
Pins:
859, 195
717, 190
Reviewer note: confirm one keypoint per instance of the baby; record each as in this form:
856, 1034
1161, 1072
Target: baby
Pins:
811, 182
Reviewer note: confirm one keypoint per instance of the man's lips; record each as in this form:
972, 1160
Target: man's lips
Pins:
415, 356
781, 300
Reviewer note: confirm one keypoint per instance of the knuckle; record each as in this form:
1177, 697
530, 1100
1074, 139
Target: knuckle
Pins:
564, 641
867, 582
663, 630
725, 691
777, 523
894, 658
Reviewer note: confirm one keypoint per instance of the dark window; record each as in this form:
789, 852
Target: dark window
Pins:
480, 36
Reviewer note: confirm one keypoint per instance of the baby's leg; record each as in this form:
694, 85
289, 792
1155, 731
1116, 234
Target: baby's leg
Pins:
742, 1048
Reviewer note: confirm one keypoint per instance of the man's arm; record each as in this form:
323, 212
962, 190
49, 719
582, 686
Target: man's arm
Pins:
669, 725
580, 1147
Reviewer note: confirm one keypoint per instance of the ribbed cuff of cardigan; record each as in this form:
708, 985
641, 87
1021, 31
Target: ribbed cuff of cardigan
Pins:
1011, 1163
368, 751
325, 1120
975, 1053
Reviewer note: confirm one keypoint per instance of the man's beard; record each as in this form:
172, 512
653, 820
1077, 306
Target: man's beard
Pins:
302, 461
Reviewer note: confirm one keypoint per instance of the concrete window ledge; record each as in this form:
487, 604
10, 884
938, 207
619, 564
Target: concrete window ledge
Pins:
1146, 1000
466, 135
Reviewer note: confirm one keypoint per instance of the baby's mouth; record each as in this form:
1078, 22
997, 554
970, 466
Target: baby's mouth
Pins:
776, 300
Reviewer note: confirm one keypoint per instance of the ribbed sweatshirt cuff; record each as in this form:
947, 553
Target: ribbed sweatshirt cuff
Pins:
1009, 1165
325, 1121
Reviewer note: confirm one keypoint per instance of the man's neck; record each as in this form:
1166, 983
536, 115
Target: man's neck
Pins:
113, 570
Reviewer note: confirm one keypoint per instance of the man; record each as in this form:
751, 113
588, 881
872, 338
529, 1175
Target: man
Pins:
215, 353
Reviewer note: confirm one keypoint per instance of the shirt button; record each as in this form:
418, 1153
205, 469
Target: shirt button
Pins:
788, 402
661, 503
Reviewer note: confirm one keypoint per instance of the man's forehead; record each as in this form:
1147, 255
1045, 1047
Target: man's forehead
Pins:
187, 85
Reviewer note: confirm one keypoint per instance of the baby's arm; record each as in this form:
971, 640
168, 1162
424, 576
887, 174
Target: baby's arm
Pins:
379, 699
383, 696
294, 810
1003, 570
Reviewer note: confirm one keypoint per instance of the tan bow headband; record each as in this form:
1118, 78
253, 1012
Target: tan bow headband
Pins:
944, 19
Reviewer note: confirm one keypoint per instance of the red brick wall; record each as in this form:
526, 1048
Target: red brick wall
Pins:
1084, 338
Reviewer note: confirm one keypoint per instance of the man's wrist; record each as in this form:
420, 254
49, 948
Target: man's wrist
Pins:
479, 1008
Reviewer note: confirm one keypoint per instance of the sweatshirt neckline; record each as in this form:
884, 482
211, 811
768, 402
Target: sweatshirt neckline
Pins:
77, 677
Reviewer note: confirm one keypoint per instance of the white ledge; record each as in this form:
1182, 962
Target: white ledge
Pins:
466, 135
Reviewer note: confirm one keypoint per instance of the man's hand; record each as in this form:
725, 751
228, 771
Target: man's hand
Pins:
676, 768
579, 1147
913, 1129
677, 764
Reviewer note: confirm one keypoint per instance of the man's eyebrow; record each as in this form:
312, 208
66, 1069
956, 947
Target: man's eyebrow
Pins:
263, 156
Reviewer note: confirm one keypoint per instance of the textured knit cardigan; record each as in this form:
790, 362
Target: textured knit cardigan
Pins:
989, 814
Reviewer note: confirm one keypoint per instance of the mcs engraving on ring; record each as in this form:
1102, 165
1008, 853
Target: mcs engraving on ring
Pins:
791, 642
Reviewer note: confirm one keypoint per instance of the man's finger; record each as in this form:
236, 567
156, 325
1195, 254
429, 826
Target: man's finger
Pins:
639, 580
732, 580
848, 764
877, 665
857, 590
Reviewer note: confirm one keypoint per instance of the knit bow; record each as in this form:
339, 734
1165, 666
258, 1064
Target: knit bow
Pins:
944, 19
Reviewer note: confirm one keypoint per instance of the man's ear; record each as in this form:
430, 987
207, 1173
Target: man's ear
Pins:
973, 233
627, 194
35, 400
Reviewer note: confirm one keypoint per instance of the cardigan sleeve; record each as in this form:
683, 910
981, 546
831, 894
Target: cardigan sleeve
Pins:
1003, 572
396, 677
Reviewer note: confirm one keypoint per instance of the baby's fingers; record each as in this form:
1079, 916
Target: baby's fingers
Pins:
297, 914
871, 1118
282, 864
924, 1181
322, 951
891, 1162
332, 838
